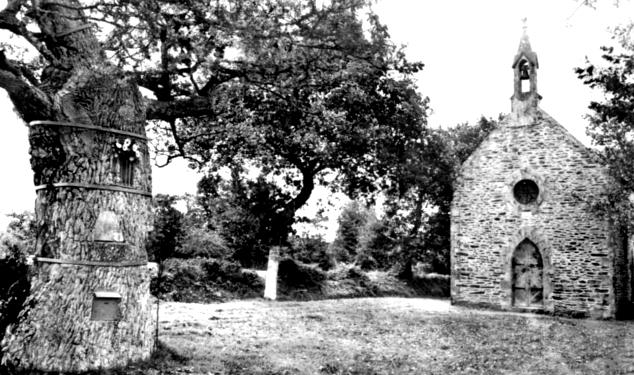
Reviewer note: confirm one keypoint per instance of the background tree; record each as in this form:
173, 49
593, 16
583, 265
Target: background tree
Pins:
196, 239
168, 232
308, 95
14, 284
351, 220
22, 228
248, 215
417, 208
611, 128
311, 246
377, 242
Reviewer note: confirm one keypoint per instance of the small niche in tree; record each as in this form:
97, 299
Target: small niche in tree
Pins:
128, 154
105, 306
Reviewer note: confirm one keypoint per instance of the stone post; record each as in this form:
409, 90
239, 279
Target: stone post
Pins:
270, 289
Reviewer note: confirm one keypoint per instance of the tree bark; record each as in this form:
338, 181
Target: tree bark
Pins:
92, 222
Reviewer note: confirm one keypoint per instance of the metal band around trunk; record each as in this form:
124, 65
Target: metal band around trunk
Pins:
90, 127
91, 263
95, 187
76, 29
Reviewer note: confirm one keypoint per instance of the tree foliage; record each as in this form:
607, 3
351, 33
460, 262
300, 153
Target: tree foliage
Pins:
418, 212
351, 220
311, 249
22, 228
168, 231
293, 87
376, 245
611, 128
14, 285
300, 89
247, 214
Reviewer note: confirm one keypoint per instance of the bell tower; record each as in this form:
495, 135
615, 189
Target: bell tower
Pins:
525, 98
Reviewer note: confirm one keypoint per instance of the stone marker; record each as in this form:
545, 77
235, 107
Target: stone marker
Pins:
270, 289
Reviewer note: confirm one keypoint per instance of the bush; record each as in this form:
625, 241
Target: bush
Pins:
299, 276
205, 280
349, 272
327, 263
431, 285
312, 250
366, 261
230, 277
203, 243
15, 286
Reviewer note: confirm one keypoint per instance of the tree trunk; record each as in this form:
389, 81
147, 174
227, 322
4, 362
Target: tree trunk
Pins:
90, 285
405, 271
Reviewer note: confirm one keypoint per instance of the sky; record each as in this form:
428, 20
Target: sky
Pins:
467, 47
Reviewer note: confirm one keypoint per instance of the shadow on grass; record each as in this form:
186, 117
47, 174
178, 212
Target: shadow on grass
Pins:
251, 365
164, 360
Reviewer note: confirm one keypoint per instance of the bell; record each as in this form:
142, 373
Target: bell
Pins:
524, 72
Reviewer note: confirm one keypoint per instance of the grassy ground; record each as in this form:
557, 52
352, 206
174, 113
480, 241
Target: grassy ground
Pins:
385, 336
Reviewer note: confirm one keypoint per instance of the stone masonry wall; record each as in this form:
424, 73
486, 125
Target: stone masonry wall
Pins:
488, 223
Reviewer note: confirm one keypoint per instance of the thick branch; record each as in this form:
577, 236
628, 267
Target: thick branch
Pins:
166, 111
308, 185
30, 102
10, 22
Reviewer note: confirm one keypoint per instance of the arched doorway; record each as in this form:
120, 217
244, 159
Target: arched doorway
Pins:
528, 272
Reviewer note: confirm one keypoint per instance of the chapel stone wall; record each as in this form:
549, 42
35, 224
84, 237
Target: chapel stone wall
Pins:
488, 222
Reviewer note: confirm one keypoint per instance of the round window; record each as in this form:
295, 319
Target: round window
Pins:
526, 191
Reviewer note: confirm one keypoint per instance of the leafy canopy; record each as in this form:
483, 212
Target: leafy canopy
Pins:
418, 212
611, 128
301, 89
297, 88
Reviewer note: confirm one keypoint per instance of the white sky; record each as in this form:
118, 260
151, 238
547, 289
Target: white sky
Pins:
467, 47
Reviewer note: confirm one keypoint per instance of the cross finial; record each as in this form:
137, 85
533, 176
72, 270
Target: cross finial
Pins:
524, 23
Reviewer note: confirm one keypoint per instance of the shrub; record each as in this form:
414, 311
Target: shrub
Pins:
299, 276
327, 263
312, 250
431, 285
343, 272
230, 277
205, 280
15, 286
202, 242
366, 261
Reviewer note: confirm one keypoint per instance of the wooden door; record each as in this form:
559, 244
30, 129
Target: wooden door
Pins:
528, 290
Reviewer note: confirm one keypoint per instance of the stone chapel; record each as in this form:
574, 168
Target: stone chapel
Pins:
521, 239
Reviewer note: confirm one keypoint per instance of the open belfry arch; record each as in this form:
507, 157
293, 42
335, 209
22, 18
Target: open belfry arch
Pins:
520, 239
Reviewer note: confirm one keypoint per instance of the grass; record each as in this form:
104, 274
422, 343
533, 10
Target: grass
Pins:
371, 336
389, 336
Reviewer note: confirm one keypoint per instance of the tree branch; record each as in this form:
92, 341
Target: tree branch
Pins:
30, 102
10, 22
166, 111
